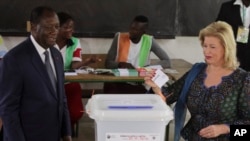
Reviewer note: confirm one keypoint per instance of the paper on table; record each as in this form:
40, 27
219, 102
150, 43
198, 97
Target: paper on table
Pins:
70, 73
154, 67
81, 71
170, 71
104, 70
160, 78
123, 72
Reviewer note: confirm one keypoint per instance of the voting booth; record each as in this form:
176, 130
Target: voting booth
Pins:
133, 117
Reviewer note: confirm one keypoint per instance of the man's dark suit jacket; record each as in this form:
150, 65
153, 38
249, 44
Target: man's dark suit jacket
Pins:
230, 13
31, 110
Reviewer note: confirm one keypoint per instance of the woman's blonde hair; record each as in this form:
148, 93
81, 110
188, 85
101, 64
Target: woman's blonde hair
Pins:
223, 31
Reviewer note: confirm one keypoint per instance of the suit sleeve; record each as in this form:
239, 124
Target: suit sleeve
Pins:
10, 95
222, 14
66, 127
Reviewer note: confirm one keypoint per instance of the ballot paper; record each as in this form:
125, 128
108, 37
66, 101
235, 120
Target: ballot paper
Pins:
125, 72
70, 73
171, 71
160, 78
154, 67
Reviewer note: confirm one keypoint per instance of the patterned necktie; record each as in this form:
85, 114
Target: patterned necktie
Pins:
50, 70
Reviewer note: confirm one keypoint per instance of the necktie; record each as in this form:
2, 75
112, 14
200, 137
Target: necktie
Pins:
50, 70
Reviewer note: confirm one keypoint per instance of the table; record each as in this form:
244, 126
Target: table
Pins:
102, 78
180, 65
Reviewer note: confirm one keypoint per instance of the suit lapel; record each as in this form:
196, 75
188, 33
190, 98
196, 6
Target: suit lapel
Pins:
238, 16
40, 68
58, 68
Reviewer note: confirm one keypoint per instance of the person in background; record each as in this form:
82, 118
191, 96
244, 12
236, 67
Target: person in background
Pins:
132, 50
3, 49
1, 122
2, 53
218, 95
71, 51
33, 105
237, 14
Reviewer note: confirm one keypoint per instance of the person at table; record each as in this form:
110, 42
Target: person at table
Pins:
1, 122
237, 14
132, 50
33, 105
3, 49
71, 50
217, 96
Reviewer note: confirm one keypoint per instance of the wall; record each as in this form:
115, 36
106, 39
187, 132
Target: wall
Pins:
184, 47
193, 15
94, 18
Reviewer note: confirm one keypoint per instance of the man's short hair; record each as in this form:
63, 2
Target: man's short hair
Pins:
37, 13
64, 17
141, 18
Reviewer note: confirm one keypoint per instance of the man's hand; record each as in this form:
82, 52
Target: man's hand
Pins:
92, 59
125, 65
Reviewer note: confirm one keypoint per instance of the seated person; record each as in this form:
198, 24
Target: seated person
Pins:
132, 50
71, 50
3, 49
2, 53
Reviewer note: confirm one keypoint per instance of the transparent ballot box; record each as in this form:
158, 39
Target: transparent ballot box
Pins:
129, 117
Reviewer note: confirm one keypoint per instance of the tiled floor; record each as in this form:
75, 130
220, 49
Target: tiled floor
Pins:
87, 128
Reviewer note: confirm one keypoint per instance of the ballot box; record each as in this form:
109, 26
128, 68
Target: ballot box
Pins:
129, 117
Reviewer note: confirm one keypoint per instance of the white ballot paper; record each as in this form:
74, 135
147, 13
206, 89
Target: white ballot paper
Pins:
160, 78
123, 72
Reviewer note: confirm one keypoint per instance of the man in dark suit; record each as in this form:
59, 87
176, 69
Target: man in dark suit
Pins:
234, 12
30, 107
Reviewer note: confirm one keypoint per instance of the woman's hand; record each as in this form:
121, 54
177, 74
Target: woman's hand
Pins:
92, 59
213, 131
148, 81
86, 62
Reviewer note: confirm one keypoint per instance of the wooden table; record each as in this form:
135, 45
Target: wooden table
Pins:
180, 65
102, 78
